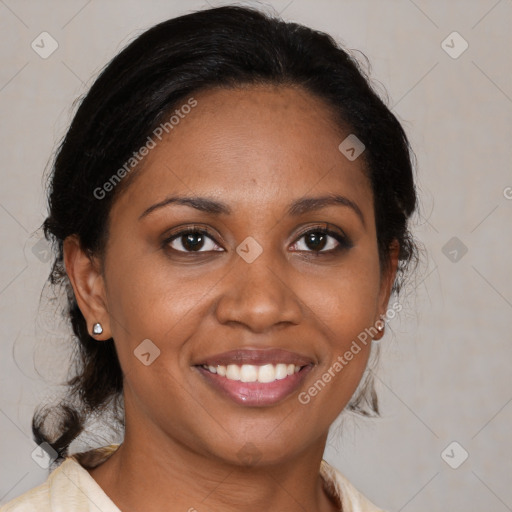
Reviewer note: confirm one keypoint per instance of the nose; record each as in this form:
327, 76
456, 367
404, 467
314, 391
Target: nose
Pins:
258, 295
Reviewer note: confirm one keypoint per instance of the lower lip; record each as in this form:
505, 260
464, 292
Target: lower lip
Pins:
256, 394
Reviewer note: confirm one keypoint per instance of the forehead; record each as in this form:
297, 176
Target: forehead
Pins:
255, 146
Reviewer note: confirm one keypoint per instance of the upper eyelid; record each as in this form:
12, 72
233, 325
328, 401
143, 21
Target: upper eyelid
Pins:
329, 228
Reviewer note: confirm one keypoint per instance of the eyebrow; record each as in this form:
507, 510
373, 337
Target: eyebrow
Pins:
298, 207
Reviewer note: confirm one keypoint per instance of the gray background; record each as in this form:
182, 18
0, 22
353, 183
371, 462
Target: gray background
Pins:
445, 366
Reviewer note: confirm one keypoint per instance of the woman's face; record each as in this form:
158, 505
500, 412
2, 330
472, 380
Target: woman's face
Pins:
248, 286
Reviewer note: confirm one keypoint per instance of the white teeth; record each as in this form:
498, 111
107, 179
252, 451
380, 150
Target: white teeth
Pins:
249, 373
233, 372
267, 373
281, 371
252, 373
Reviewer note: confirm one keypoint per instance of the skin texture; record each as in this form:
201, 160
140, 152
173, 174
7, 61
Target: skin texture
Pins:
257, 149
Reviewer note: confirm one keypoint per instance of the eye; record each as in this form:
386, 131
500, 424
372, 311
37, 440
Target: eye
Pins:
192, 240
322, 240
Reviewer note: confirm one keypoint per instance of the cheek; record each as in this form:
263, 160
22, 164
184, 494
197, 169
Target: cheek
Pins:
152, 315
345, 301
344, 307
151, 301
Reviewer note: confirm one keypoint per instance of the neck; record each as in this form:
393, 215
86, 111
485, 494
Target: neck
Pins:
149, 471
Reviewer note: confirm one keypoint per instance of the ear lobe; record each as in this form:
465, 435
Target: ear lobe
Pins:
88, 285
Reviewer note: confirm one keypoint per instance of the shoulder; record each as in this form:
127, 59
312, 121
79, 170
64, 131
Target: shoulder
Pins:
350, 499
35, 499
69, 488
40, 498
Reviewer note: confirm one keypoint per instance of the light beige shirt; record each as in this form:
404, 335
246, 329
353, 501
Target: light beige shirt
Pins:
70, 488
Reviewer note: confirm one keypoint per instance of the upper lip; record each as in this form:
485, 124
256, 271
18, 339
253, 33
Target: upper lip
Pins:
256, 356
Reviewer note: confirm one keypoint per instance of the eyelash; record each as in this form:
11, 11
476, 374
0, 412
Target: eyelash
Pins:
343, 242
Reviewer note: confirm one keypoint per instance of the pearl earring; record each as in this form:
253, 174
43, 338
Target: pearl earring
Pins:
97, 329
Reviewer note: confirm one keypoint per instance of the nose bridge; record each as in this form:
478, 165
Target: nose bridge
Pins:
257, 293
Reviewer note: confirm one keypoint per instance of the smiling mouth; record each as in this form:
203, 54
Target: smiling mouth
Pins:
255, 376
254, 385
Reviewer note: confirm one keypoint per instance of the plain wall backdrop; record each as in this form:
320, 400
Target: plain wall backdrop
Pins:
445, 373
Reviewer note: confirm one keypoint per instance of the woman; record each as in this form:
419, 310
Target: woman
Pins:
230, 216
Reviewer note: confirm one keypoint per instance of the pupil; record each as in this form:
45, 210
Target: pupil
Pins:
193, 241
315, 239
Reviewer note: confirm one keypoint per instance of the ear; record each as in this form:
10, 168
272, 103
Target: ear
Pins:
88, 284
387, 280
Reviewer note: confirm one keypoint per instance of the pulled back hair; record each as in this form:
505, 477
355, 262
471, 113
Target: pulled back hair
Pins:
219, 47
